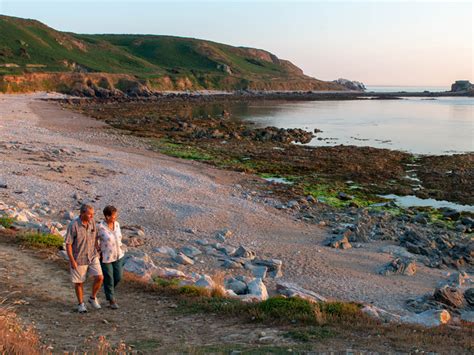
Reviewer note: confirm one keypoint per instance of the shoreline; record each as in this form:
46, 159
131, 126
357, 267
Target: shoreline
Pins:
172, 212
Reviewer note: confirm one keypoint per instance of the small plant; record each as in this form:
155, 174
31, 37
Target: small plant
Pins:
289, 309
310, 334
41, 240
6, 222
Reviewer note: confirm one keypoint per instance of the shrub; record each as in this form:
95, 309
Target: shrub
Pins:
293, 308
41, 240
7, 222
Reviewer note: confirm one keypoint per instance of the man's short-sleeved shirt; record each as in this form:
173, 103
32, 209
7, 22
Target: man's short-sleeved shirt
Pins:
83, 240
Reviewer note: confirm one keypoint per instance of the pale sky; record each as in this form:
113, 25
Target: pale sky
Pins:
426, 43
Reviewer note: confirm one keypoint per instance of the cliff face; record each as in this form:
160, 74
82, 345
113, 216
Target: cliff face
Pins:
34, 56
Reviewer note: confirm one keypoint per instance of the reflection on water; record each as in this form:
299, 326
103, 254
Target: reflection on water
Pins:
413, 201
444, 125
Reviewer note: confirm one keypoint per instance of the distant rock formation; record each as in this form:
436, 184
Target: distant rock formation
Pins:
351, 85
462, 85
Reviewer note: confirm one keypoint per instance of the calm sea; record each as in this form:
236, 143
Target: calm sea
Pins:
418, 125
407, 88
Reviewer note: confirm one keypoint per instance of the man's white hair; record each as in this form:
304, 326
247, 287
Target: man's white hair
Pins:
85, 207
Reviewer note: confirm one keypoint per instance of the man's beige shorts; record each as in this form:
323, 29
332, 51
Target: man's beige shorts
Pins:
80, 274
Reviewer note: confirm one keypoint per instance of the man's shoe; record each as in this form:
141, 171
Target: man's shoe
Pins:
82, 308
95, 304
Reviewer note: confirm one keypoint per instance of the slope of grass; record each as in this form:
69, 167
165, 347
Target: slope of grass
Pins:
30, 46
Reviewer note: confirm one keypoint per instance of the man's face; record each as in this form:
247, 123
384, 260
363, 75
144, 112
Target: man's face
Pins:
88, 215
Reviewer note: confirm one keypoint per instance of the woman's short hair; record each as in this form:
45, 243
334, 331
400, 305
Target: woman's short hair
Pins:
109, 211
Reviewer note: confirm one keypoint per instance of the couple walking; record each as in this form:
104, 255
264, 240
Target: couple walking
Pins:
95, 250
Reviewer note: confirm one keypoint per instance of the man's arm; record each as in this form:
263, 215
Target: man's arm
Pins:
69, 240
70, 256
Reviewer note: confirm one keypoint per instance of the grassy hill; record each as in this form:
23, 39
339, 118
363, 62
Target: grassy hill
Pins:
28, 47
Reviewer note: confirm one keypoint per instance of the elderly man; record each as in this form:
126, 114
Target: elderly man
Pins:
82, 250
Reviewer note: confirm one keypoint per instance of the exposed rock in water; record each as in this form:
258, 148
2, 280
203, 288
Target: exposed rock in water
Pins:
282, 135
351, 85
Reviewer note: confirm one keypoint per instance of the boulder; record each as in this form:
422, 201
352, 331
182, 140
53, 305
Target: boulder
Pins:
243, 252
401, 266
190, 251
257, 290
166, 251
226, 249
430, 318
338, 241
133, 242
139, 264
206, 282
450, 296
259, 271
182, 259
237, 286
469, 296
168, 273
467, 316
133, 231
289, 289
231, 264
380, 314
273, 265
223, 234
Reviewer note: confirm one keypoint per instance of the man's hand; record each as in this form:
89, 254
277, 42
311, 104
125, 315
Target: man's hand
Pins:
72, 261
73, 264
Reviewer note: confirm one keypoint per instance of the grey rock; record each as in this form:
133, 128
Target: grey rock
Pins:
222, 235
205, 281
430, 318
259, 271
139, 264
257, 289
273, 265
239, 287
190, 251
401, 266
226, 249
469, 296
231, 264
467, 316
339, 241
450, 296
166, 251
289, 289
182, 259
202, 242
243, 252
68, 215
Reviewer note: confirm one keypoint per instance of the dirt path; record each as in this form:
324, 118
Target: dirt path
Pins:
45, 298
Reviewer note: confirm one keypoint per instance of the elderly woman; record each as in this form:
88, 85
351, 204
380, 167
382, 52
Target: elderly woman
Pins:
110, 242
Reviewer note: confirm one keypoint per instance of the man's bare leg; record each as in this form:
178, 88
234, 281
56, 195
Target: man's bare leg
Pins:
79, 292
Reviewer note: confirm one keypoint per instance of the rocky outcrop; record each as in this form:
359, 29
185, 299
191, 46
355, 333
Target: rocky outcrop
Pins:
462, 86
351, 85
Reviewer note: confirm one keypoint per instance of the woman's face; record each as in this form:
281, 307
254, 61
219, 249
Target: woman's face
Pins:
112, 218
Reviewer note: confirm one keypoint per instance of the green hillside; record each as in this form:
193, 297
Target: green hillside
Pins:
28, 46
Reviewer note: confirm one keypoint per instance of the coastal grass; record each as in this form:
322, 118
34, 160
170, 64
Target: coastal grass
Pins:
178, 150
41, 240
14, 337
7, 222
